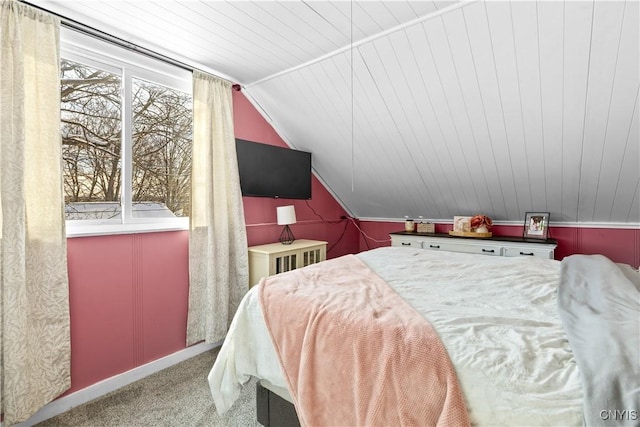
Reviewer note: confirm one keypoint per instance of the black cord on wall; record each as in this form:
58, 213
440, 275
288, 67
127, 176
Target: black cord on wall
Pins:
348, 220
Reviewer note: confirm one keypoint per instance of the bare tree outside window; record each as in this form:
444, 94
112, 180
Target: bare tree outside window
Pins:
162, 135
91, 141
92, 146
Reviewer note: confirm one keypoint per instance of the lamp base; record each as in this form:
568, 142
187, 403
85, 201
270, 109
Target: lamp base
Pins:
286, 237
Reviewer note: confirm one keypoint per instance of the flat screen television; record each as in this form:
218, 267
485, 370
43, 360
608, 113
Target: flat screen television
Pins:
271, 171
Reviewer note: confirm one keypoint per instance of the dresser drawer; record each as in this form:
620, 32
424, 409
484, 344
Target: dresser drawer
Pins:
406, 242
442, 246
482, 250
492, 250
456, 246
541, 253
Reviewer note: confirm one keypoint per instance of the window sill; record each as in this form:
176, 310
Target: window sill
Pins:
75, 229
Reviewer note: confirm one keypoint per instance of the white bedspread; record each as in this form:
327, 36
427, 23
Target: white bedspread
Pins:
497, 316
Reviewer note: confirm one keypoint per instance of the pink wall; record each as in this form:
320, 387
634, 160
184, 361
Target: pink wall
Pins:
620, 245
128, 301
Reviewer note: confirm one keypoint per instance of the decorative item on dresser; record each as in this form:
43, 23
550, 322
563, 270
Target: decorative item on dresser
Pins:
496, 245
475, 226
425, 226
409, 224
481, 223
462, 224
273, 258
536, 225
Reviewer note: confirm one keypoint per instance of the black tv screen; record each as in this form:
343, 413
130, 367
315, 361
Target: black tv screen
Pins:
271, 171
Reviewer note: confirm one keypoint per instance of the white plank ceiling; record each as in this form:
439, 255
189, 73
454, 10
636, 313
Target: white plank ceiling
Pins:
428, 108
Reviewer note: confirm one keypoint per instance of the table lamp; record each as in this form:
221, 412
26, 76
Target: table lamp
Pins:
286, 216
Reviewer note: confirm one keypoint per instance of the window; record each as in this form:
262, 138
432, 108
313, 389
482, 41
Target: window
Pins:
91, 141
126, 139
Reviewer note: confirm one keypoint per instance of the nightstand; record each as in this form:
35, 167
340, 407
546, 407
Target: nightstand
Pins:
273, 258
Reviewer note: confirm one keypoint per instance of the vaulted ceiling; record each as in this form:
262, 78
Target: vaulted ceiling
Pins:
432, 108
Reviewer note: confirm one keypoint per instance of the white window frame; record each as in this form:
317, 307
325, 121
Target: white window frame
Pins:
85, 49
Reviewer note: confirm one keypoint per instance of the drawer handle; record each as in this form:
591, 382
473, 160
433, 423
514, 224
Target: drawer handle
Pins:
488, 250
406, 244
526, 253
434, 246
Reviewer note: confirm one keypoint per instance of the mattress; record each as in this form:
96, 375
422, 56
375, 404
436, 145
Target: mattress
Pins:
497, 317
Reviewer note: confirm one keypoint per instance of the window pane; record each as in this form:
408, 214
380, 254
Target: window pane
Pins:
91, 139
162, 139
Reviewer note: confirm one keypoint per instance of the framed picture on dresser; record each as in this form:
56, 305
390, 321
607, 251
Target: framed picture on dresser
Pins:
536, 225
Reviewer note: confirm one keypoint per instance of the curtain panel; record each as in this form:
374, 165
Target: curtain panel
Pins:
218, 259
34, 292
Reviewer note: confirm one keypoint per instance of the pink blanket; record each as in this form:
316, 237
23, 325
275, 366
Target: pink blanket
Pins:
356, 354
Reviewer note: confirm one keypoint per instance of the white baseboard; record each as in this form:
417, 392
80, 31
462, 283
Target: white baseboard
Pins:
103, 387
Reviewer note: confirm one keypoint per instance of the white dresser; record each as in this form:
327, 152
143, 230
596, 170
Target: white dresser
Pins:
493, 246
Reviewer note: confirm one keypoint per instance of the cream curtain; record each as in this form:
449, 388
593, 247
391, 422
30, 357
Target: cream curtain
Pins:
218, 265
34, 292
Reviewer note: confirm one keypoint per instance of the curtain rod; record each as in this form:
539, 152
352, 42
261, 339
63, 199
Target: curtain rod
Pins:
101, 35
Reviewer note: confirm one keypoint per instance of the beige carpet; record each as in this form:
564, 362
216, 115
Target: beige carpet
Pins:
177, 396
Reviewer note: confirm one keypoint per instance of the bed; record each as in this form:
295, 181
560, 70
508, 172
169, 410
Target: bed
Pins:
498, 319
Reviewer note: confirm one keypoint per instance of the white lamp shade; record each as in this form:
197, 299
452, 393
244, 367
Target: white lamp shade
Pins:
286, 215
